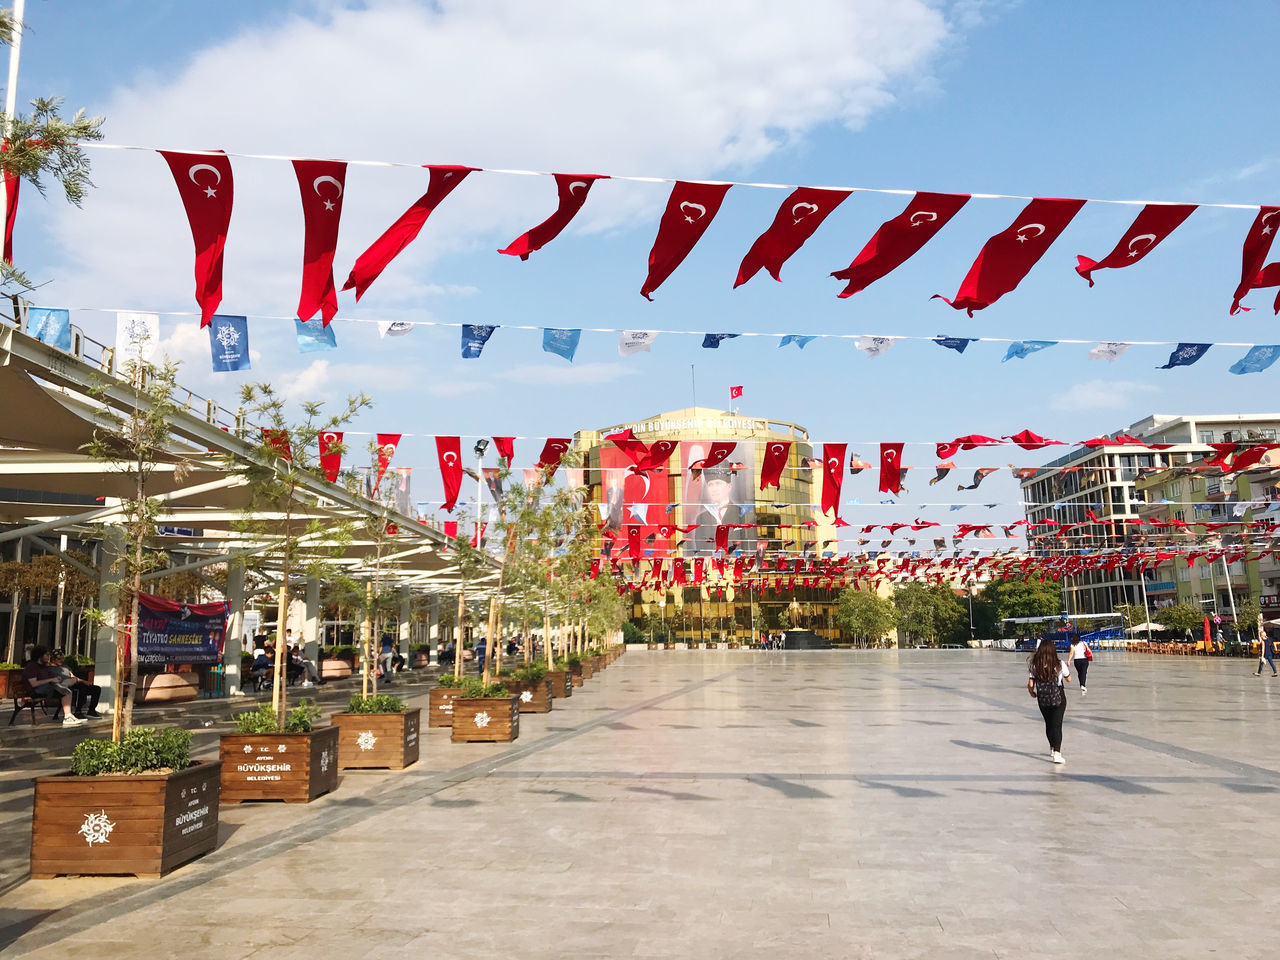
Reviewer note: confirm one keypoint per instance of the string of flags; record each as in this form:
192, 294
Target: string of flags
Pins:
229, 339
205, 184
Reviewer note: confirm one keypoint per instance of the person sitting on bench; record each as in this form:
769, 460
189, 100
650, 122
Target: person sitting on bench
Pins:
43, 683
84, 695
261, 670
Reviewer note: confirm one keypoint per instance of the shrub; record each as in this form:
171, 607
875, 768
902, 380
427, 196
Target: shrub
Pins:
344, 652
301, 719
474, 687
141, 750
10, 666
573, 659
420, 648
448, 680
532, 673
380, 703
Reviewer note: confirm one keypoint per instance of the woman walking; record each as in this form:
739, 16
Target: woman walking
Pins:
1046, 675
1080, 655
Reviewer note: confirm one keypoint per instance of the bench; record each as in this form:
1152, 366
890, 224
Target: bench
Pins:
25, 699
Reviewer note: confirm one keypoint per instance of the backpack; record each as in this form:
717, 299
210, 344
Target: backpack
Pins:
1050, 694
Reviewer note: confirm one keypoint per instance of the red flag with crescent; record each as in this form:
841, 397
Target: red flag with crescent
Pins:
1257, 244
775, 461
899, 239
206, 188
572, 189
1154, 222
1032, 441
451, 529
370, 264
658, 455
1009, 255
690, 210
626, 441
278, 440
722, 536
720, 450
11, 185
330, 442
1269, 276
890, 467
634, 547
322, 185
552, 451
795, 222
449, 452
974, 440
387, 443
595, 568
832, 476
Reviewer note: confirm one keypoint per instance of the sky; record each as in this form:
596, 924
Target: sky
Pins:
1094, 100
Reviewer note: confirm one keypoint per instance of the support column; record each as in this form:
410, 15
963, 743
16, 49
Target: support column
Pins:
433, 628
104, 651
234, 647
311, 625
406, 613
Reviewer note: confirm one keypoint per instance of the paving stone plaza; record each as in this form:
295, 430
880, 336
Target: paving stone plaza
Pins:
740, 804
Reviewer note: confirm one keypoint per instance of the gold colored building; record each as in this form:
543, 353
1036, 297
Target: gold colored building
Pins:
680, 494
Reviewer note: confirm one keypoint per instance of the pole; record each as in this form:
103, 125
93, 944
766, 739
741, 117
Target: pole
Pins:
693, 383
1146, 609
1231, 595
11, 96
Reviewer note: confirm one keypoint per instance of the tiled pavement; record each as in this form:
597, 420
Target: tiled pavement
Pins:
738, 804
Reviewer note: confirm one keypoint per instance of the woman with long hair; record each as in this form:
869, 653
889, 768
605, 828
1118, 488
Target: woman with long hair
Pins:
1046, 675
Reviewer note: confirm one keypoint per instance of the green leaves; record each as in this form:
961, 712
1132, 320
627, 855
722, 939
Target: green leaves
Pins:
141, 750
381, 703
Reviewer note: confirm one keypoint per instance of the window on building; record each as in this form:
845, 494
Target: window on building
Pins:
1206, 436
1184, 573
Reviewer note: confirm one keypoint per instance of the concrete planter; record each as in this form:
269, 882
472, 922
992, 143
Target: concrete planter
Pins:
376, 740
142, 824
334, 669
167, 688
485, 719
293, 767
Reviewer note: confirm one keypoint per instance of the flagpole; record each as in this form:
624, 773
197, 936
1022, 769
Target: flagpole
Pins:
693, 382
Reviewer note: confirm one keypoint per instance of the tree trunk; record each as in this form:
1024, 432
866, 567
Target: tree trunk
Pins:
491, 650
528, 641
546, 640
460, 629
366, 642
13, 626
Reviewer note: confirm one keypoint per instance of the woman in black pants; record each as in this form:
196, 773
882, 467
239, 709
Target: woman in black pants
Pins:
1046, 675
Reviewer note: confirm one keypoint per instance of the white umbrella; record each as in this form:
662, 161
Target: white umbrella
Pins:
1144, 627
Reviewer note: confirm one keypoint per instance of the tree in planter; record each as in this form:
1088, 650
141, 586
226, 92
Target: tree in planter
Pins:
286, 457
41, 575
132, 441
1182, 617
865, 615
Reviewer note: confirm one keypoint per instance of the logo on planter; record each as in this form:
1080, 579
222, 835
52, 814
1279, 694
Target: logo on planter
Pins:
482, 719
526, 696
324, 761
366, 740
248, 748
96, 828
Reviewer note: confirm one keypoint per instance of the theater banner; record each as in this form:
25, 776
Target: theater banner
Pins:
174, 632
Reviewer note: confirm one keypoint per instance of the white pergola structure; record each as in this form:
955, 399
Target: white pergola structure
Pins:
50, 403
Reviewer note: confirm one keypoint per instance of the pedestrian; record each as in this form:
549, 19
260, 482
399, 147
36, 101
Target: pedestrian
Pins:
1046, 675
386, 658
480, 650
1080, 656
1268, 654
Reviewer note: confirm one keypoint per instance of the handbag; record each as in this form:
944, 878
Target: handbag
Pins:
1088, 652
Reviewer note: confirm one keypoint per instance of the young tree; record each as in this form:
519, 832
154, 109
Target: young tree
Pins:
281, 512
132, 441
1014, 598
1182, 617
864, 614
1131, 614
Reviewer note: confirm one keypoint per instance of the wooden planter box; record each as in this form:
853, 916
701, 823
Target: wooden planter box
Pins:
9, 680
420, 660
561, 683
576, 673
485, 719
293, 767
668, 646
334, 669
368, 740
142, 824
440, 706
534, 696
588, 668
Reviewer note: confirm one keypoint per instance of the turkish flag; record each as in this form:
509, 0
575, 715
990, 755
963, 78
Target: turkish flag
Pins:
506, 448
974, 440
658, 455
1248, 457
1031, 441
699, 570
634, 546
573, 189
205, 185
451, 529
690, 210
899, 239
720, 449
722, 536
1257, 244
552, 451
371, 263
1269, 276
278, 440
387, 443
11, 184
449, 452
677, 572
1154, 222
321, 183
890, 467
626, 441
595, 568
775, 461
735, 393
330, 454
832, 476
1009, 255
794, 223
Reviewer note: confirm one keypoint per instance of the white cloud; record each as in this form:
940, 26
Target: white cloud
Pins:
659, 88
1103, 395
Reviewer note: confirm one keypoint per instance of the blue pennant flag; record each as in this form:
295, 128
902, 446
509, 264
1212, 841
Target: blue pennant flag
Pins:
474, 337
50, 325
795, 338
958, 344
1185, 354
313, 335
1022, 348
957, 506
712, 341
563, 343
1257, 359
229, 343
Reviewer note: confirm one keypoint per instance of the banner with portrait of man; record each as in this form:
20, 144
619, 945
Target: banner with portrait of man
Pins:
719, 495
632, 497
